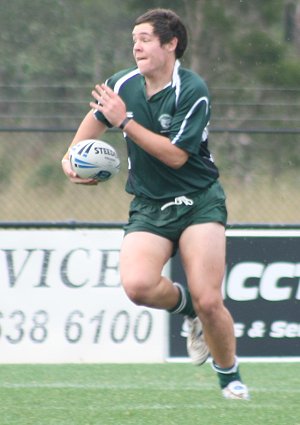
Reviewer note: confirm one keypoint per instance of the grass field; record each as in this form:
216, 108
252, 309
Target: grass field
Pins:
139, 394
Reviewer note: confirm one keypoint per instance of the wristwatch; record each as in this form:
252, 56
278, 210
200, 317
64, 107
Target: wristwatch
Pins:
124, 123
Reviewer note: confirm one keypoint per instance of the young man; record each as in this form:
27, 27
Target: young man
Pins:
164, 110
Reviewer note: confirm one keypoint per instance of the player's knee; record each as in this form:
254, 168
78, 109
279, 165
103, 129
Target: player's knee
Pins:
209, 305
135, 295
136, 289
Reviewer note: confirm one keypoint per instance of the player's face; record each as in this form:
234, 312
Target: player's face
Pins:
151, 57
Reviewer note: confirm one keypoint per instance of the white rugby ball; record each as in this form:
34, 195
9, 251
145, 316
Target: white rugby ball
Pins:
94, 159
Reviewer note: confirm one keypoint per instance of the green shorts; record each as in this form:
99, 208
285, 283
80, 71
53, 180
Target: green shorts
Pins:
170, 217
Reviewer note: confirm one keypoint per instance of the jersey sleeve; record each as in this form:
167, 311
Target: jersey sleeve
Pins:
115, 82
190, 121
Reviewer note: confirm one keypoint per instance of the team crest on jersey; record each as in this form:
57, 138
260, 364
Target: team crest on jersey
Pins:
165, 121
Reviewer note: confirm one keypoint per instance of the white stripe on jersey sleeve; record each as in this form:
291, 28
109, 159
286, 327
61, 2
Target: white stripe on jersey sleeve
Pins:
126, 77
184, 122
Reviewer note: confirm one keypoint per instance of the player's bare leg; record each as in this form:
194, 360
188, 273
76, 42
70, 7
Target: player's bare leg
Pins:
143, 256
202, 249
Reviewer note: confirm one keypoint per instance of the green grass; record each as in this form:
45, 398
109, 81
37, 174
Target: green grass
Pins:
158, 394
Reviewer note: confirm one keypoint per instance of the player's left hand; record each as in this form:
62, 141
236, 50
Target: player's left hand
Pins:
109, 103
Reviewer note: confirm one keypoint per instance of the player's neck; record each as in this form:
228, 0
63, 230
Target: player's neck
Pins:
159, 80
152, 89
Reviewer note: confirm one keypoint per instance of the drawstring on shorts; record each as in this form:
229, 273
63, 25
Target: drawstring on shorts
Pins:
178, 201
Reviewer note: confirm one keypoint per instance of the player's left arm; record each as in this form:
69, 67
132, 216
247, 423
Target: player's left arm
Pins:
114, 109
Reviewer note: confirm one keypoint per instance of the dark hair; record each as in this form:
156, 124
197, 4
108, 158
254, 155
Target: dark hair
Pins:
166, 25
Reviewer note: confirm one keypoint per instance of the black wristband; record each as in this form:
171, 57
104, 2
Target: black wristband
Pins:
124, 123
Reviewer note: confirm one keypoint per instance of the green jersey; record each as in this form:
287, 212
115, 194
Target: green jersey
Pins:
181, 112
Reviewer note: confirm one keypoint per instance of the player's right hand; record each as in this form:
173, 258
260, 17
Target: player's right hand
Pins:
72, 176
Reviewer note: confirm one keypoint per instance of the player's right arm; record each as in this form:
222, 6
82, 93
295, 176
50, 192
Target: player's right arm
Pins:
90, 128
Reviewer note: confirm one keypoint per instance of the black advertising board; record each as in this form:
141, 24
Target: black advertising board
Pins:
261, 288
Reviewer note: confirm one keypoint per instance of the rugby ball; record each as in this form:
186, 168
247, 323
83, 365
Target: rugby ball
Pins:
94, 159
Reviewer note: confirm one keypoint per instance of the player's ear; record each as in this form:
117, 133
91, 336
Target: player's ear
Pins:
171, 46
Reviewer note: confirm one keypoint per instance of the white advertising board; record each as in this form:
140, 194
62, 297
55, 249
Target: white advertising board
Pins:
61, 301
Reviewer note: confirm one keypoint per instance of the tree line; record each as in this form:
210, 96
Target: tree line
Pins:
51, 41
56, 50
